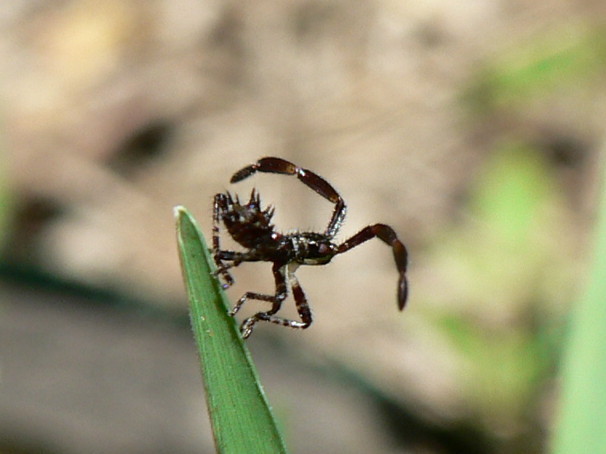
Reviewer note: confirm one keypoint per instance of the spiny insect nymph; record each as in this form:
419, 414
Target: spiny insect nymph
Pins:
250, 226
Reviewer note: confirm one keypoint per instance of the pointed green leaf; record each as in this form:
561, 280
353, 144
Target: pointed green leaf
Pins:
241, 418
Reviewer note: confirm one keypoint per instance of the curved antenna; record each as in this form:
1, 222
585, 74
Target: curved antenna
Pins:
307, 177
400, 254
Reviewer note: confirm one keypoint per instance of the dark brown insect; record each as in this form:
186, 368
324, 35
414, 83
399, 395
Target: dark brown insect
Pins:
251, 227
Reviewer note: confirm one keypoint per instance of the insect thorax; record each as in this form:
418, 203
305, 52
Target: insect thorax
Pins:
310, 248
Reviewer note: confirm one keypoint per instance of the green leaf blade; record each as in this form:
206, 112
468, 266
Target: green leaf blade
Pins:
241, 418
580, 427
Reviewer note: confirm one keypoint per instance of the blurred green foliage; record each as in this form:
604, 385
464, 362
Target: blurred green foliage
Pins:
516, 260
565, 56
6, 204
504, 267
582, 423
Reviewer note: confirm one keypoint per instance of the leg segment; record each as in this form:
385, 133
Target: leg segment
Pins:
218, 207
388, 236
235, 258
309, 178
280, 295
279, 271
302, 308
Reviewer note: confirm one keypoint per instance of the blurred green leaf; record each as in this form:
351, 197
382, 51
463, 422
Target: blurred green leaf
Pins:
242, 421
498, 267
6, 201
509, 195
542, 64
582, 423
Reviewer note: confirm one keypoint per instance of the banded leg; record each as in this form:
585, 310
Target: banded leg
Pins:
400, 254
236, 258
307, 177
302, 308
279, 271
218, 206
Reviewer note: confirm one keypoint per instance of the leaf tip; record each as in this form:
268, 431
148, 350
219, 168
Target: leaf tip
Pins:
179, 210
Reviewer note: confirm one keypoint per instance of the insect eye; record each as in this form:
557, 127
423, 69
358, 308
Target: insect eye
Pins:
323, 249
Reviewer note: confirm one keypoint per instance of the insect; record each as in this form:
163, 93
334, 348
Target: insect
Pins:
250, 226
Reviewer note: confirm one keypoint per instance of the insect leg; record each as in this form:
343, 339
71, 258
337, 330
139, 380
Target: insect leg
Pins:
279, 271
236, 258
400, 254
220, 204
302, 308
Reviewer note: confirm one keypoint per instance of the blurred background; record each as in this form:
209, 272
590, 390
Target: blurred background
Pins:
475, 130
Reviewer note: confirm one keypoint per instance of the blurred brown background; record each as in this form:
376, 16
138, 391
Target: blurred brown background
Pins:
474, 129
